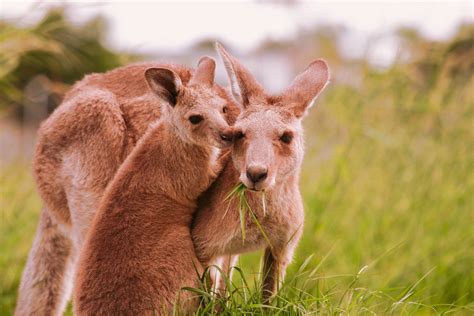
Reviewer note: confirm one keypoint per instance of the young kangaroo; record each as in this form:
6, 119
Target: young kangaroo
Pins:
139, 251
79, 149
267, 156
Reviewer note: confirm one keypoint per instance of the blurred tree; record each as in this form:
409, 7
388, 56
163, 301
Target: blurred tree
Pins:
54, 54
431, 62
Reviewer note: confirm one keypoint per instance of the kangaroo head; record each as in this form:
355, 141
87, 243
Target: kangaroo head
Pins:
193, 109
268, 136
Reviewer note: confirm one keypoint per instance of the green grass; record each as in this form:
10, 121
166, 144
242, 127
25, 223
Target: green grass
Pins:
388, 187
19, 213
245, 210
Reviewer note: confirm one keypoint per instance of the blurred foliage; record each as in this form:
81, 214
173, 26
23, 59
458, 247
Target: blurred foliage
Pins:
433, 63
388, 178
54, 49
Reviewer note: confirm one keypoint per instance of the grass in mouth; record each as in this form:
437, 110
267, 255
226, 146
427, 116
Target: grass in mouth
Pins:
239, 193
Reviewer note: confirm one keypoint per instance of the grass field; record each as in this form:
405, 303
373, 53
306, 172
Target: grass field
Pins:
388, 187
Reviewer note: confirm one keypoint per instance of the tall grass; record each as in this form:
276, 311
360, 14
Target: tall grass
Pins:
397, 192
19, 210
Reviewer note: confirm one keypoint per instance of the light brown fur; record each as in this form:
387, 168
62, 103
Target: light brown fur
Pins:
139, 252
79, 149
264, 126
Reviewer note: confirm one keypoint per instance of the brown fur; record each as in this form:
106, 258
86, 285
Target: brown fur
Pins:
139, 252
79, 149
216, 229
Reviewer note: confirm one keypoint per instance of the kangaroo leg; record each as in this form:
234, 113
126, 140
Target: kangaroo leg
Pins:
274, 268
46, 283
225, 263
270, 275
276, 260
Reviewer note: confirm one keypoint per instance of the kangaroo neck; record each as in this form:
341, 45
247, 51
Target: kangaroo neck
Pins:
184, 166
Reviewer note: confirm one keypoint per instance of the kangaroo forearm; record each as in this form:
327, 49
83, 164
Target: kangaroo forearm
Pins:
269, 275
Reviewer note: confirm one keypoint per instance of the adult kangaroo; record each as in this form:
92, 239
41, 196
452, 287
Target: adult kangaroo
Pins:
79, 149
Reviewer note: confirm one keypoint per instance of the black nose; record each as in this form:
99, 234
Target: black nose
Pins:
227, 136
257, 173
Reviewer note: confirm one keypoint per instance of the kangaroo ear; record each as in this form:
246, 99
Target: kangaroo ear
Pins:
307, 86
204, 73
165, 83
243, 84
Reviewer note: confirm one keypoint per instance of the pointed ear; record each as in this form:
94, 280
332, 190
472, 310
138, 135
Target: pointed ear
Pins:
204, 73
243, 84
165, 83
307, 86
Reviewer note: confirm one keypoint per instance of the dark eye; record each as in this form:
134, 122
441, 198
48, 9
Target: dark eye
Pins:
195, 119
239, 135
286, 137
224, 109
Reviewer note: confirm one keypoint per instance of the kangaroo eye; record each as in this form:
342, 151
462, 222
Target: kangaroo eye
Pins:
239, 135
224, 109
196, 119
286, 137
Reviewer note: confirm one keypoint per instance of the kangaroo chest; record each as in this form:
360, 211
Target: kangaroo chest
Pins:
262, 229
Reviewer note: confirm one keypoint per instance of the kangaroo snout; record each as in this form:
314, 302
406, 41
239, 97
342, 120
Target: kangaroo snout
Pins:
257, 174
227, 135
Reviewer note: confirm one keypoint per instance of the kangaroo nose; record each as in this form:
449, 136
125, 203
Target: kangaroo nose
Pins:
227, 135
257, 173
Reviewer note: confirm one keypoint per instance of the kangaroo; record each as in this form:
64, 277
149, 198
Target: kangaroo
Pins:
266, 157
79, 149
139, 251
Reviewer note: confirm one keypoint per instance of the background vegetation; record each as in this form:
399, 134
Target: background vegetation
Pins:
387, 178
54, 50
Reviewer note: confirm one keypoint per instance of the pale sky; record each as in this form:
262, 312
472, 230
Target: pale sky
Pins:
150, 26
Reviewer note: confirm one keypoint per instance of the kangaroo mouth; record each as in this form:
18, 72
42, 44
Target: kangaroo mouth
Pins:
258, 187
254, 189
